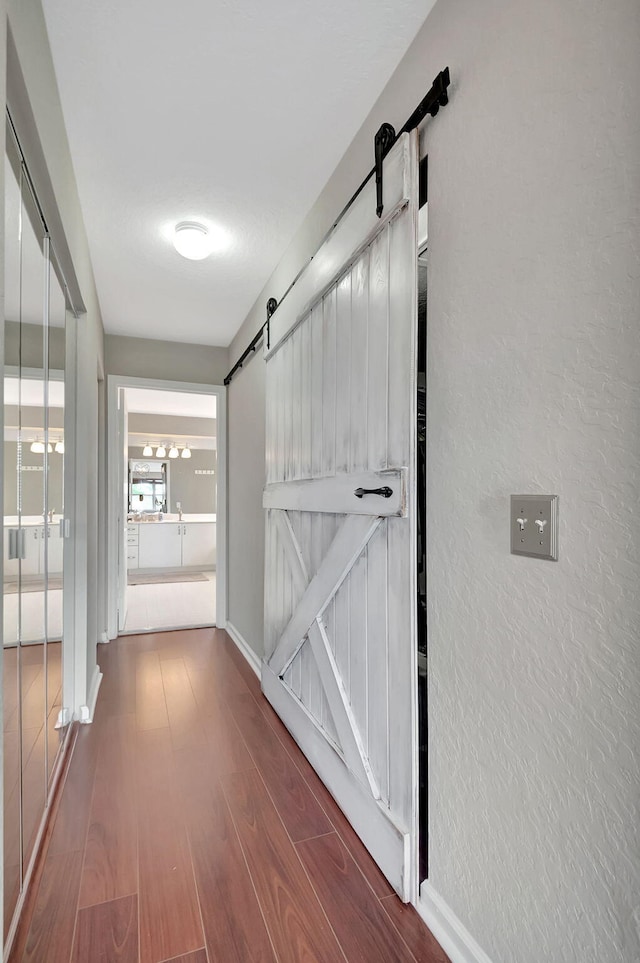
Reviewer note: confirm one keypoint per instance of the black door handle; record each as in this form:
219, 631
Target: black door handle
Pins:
386, 492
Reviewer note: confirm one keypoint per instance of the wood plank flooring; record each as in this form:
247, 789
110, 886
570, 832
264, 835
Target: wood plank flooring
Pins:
192, 830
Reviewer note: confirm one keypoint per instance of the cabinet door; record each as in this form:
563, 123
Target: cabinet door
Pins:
160, 545
56, 547
199, 544
33, 538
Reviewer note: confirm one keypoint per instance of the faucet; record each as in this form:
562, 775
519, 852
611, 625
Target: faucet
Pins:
51, 513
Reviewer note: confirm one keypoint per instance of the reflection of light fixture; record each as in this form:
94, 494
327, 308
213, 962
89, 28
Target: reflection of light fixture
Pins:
173, 452
192, 240
37, 447
60, 446
186, 452
147, 451
161, 451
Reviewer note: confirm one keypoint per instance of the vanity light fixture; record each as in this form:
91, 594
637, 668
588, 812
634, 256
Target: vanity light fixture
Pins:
37, 447
186, 452
173, 452
147, 451
161, 451
60, 446
192, 240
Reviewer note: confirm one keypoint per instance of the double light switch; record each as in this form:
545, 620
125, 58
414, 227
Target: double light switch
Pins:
534, 526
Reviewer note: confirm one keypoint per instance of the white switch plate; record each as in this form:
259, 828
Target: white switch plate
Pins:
534, 526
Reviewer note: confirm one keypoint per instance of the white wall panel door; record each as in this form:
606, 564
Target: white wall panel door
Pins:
340, 593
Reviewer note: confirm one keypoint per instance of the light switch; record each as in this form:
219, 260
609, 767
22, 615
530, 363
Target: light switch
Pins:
534, 526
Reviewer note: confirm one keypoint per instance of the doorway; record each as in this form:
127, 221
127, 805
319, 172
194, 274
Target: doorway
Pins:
166, 505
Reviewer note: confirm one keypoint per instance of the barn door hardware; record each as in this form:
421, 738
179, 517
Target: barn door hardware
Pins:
383, 142
385, 492
272, 304
385, 138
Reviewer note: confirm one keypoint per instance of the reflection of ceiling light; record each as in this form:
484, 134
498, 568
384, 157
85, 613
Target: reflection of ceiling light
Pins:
37, 447
186, 452
173, 452
192, 240
161, 451
60, 447
147, 451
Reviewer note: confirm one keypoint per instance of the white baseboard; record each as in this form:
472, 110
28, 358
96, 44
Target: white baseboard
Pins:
86, 712
245, 648
451, 934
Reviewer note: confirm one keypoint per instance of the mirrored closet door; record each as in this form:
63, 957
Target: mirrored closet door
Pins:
34, 333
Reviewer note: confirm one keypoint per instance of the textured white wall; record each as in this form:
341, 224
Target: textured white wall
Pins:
246, 462
534, 386
534, 374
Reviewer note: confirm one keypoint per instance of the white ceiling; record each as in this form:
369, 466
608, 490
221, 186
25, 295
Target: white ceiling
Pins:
157, 402
235, 112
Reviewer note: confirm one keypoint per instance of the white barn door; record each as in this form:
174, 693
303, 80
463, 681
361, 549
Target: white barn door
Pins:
340, 583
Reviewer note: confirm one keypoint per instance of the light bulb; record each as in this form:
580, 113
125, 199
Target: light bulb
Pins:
161, 451
173, 452
60, 447
186, 452
147, 451
37, 447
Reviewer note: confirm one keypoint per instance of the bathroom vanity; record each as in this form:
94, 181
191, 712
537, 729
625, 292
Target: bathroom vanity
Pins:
172, 543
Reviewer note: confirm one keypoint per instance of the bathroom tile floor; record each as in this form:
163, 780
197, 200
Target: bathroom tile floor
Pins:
171, 605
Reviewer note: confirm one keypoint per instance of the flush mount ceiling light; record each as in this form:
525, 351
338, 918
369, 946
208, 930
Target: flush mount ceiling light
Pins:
186, 452
147, 451
161, 451
193, 240
173, 452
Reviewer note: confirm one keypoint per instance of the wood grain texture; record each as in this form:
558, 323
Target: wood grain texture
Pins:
107, 933
233, 924
415, 932
151, 707
299, 929
199, 956
51, 933
298, 808
356, 915
216, 863
168, 905
110, 862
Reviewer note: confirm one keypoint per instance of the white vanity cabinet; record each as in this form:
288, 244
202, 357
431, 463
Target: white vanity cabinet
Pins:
159, 545
56, 549
33, 542
171, 545
198, 544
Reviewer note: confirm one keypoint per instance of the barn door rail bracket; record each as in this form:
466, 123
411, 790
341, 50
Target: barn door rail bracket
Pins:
385, 138
272, 304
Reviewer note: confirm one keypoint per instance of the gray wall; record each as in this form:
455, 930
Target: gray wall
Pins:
196, 493
533, 373
246, 518
30, 347
32, 481
165, 360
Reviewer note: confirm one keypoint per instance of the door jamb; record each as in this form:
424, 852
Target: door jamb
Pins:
220, 392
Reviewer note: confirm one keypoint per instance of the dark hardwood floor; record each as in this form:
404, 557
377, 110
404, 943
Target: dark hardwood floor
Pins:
191, 829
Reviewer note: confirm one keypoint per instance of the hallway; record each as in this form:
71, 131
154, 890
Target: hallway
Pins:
191, 829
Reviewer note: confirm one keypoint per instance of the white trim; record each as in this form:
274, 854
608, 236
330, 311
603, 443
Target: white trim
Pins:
451, 934
245, 648
220, 392
86, 712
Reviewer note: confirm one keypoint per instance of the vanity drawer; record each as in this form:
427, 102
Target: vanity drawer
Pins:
132, 539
